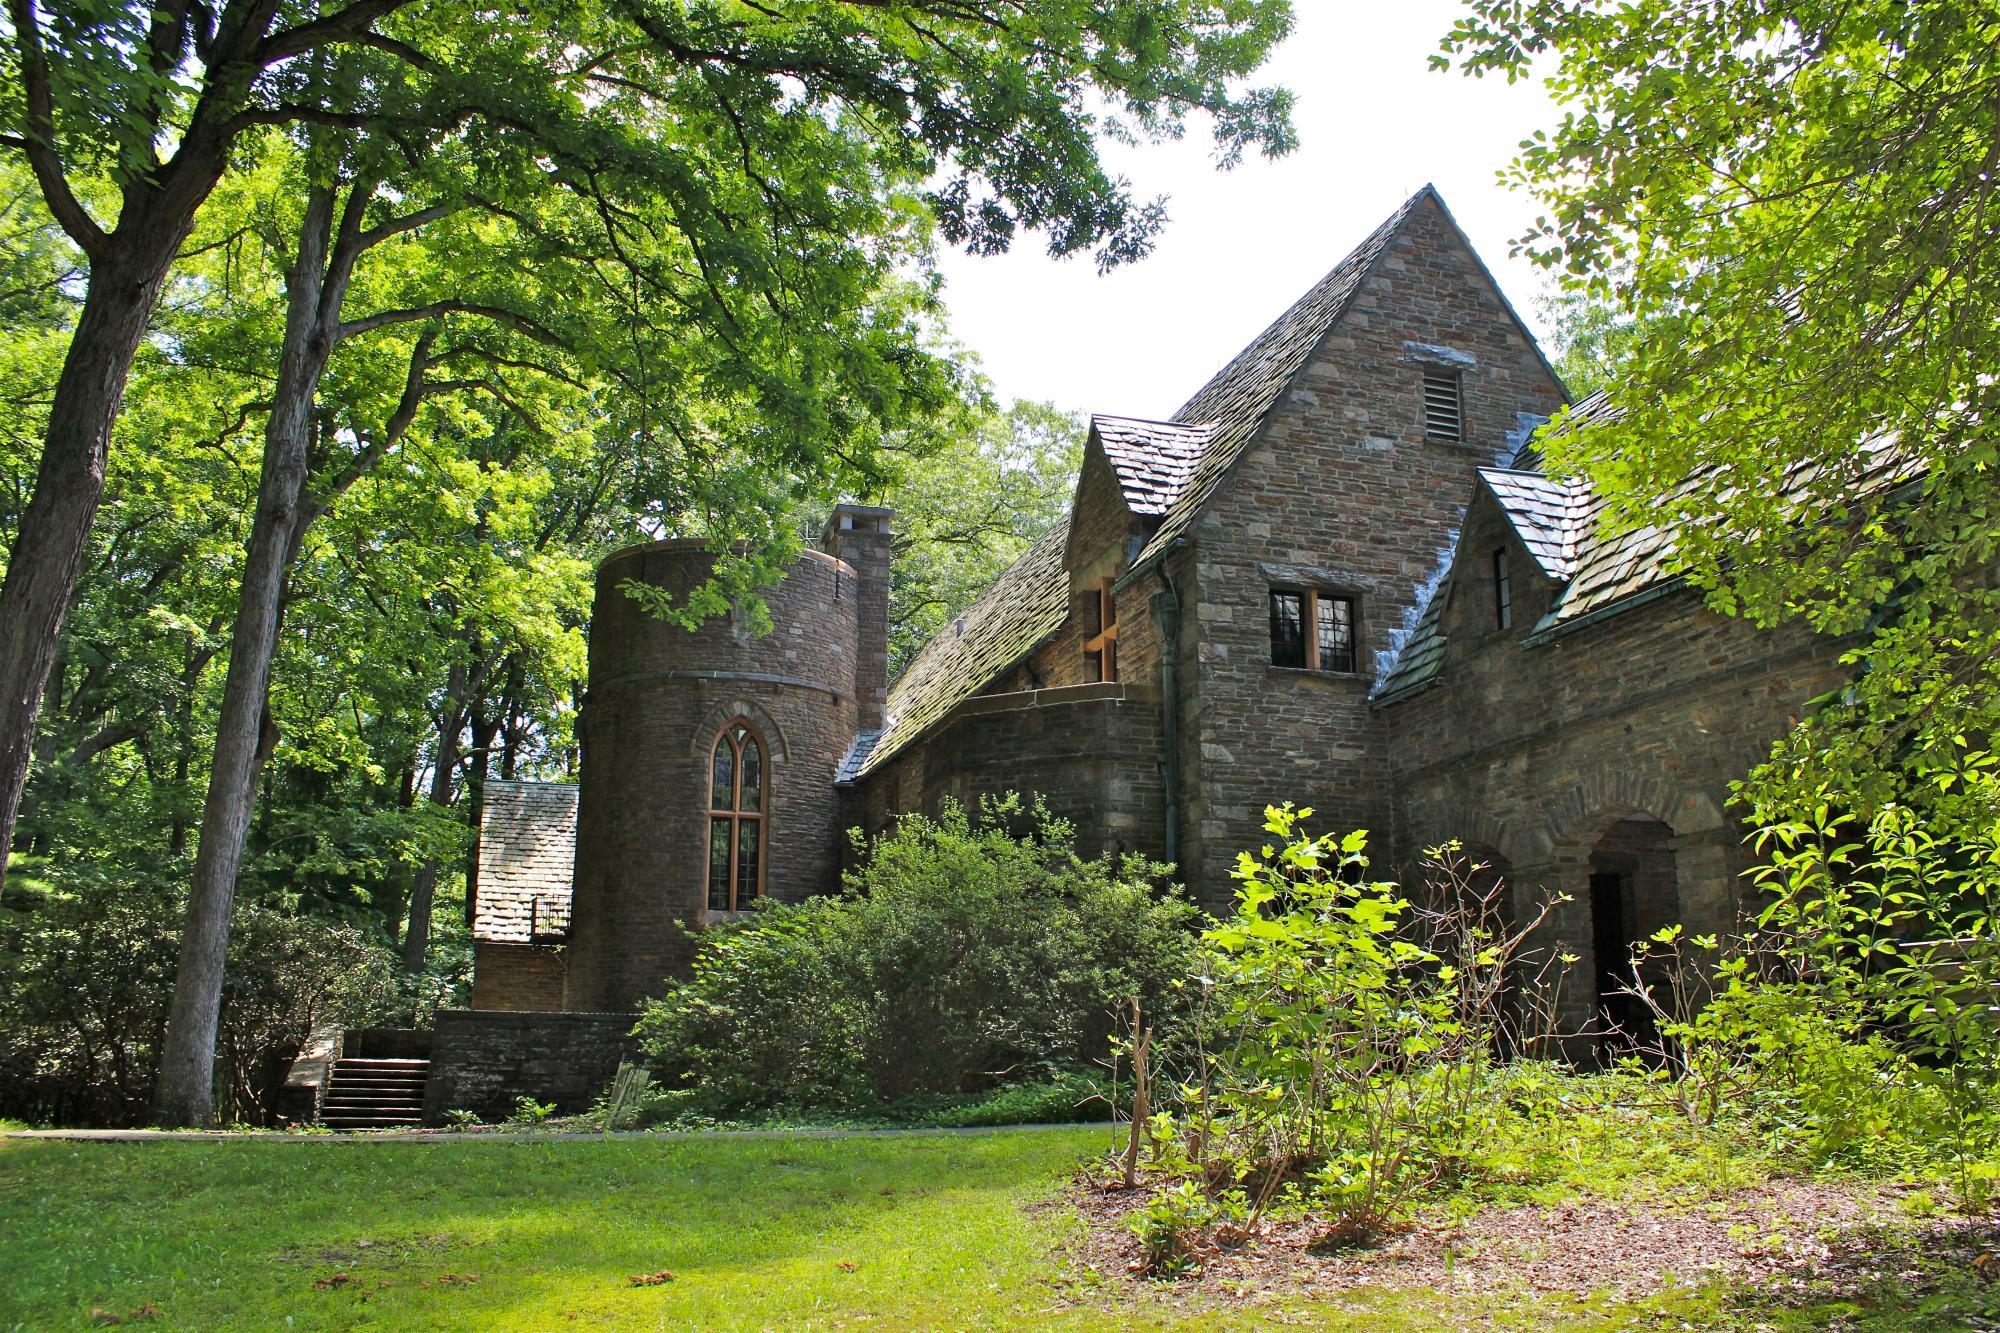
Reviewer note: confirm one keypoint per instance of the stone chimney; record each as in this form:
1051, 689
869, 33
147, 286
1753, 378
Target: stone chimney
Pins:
861, 535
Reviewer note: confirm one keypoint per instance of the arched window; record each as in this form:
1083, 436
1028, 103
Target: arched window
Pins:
737, 778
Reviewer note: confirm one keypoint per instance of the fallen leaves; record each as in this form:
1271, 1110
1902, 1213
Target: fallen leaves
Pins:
847, 1266
138, 1314
333, 1280
659, 1279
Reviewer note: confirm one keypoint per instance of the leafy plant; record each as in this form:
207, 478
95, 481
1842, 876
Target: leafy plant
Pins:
1172, 1227
1357, 1033
528, 1111
964, 956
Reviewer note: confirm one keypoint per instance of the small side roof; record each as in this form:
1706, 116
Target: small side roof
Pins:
1598, 573
527, 860
1025, 605
1546, 513
1153, 460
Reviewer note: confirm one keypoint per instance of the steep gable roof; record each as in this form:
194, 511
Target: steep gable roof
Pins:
1166, 470
1025, 605
527, 860
1234, 404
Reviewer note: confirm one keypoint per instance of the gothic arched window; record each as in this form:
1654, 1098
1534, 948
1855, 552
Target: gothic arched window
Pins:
737, 780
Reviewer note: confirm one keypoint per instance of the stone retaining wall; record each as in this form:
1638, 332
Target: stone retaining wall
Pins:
482, 1060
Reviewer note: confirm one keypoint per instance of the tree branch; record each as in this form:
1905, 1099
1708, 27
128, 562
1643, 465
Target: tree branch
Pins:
39, 141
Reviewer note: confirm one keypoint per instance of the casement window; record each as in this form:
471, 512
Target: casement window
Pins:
1100, 650
1314, 630
1503, 591
738, 779
1444, 404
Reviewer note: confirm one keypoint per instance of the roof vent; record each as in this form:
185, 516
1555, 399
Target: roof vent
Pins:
1444, 404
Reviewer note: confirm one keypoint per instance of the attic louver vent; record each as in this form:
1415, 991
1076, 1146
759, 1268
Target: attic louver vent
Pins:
1444, 405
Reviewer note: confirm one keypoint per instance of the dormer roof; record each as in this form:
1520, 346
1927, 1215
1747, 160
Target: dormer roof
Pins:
1153, 460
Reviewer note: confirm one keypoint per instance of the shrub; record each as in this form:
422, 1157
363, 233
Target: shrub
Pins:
963, 956
1356, 1037
86, 974
1857, 1022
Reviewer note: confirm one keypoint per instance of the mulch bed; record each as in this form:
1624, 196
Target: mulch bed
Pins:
1789, 1240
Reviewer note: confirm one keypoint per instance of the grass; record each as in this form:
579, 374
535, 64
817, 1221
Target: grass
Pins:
920, 1231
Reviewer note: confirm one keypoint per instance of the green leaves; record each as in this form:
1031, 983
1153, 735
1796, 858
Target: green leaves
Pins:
1791, 206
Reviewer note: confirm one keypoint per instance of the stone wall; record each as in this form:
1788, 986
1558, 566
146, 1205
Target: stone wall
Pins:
1539, 749
481, 1061
517, 976
1093, 751
1343, 491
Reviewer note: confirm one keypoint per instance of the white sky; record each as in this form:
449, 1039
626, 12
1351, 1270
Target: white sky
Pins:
1374, 125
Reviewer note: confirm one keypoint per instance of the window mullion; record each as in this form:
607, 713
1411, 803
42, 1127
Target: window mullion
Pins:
1310, 626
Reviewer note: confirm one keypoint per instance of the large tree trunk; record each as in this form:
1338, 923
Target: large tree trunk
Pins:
49, 549
417, 935
187, 1067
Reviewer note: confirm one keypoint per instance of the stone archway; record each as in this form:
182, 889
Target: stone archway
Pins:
730, 710
1634, 890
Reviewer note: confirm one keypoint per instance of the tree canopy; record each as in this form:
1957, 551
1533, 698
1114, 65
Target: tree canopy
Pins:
497, 291
1796, 202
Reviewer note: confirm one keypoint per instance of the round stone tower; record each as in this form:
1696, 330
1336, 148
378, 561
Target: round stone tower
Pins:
710, 757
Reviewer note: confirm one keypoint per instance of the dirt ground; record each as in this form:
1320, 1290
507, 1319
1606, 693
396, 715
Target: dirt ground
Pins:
1789, 1241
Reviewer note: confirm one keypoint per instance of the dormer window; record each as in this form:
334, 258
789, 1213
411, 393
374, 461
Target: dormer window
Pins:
1503, 591
1100, 650
1444, 404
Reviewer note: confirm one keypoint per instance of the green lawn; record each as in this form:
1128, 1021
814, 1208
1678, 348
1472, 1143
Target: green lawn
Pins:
931, 1231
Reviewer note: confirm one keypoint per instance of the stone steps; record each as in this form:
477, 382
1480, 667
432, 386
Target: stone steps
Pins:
374, 1094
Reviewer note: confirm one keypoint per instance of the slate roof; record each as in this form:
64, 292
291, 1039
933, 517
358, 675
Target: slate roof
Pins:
1422, 654
1560, 522
1234, 404
527, 860
1548, 515
1153, 460
1025, 605
1165, 470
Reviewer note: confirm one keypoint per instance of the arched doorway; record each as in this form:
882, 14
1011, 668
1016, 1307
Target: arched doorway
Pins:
1633, 893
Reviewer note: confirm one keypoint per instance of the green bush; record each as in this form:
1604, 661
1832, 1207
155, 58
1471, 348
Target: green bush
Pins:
963, 956
1856, 1025
86, 973
1353, 1057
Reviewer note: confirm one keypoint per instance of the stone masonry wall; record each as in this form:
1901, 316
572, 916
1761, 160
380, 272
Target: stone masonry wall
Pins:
1342, 491
1093, 751
483, 1061
516, 976
659, 696
1538, 751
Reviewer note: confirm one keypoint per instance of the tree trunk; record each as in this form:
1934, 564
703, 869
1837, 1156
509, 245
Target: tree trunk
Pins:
417, 935
49, 549
185, 1092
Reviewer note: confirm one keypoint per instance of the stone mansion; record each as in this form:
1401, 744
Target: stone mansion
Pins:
1337, 576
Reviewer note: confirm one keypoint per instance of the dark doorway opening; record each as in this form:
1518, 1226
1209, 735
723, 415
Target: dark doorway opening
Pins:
1633, 892
1611, 948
